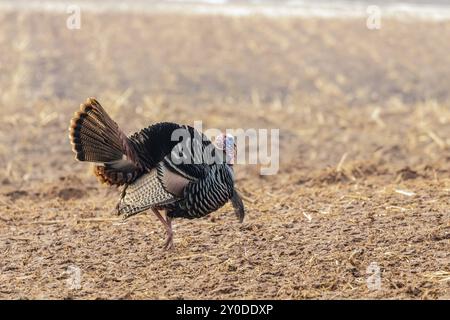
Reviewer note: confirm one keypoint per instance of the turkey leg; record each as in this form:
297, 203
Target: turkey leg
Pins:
168, 225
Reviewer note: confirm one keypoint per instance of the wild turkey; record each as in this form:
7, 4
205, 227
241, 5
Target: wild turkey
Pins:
147, 165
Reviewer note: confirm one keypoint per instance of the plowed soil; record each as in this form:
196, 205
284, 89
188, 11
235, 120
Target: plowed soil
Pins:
363, 188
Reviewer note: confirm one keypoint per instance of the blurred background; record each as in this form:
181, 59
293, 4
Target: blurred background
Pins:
359, 91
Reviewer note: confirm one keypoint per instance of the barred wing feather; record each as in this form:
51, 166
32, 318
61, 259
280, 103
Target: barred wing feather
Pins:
156, 188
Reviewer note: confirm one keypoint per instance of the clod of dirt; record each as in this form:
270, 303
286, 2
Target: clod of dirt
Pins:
414, 291
351, 172
71, 193
71, 179
406, 174
331, 176
303, 180
17, 194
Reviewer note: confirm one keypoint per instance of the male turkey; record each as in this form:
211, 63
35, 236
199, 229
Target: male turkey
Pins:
158, 167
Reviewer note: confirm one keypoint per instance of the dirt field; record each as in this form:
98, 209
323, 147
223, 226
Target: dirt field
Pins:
364, 179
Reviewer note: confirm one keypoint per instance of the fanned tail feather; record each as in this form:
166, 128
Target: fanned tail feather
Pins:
95, 137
